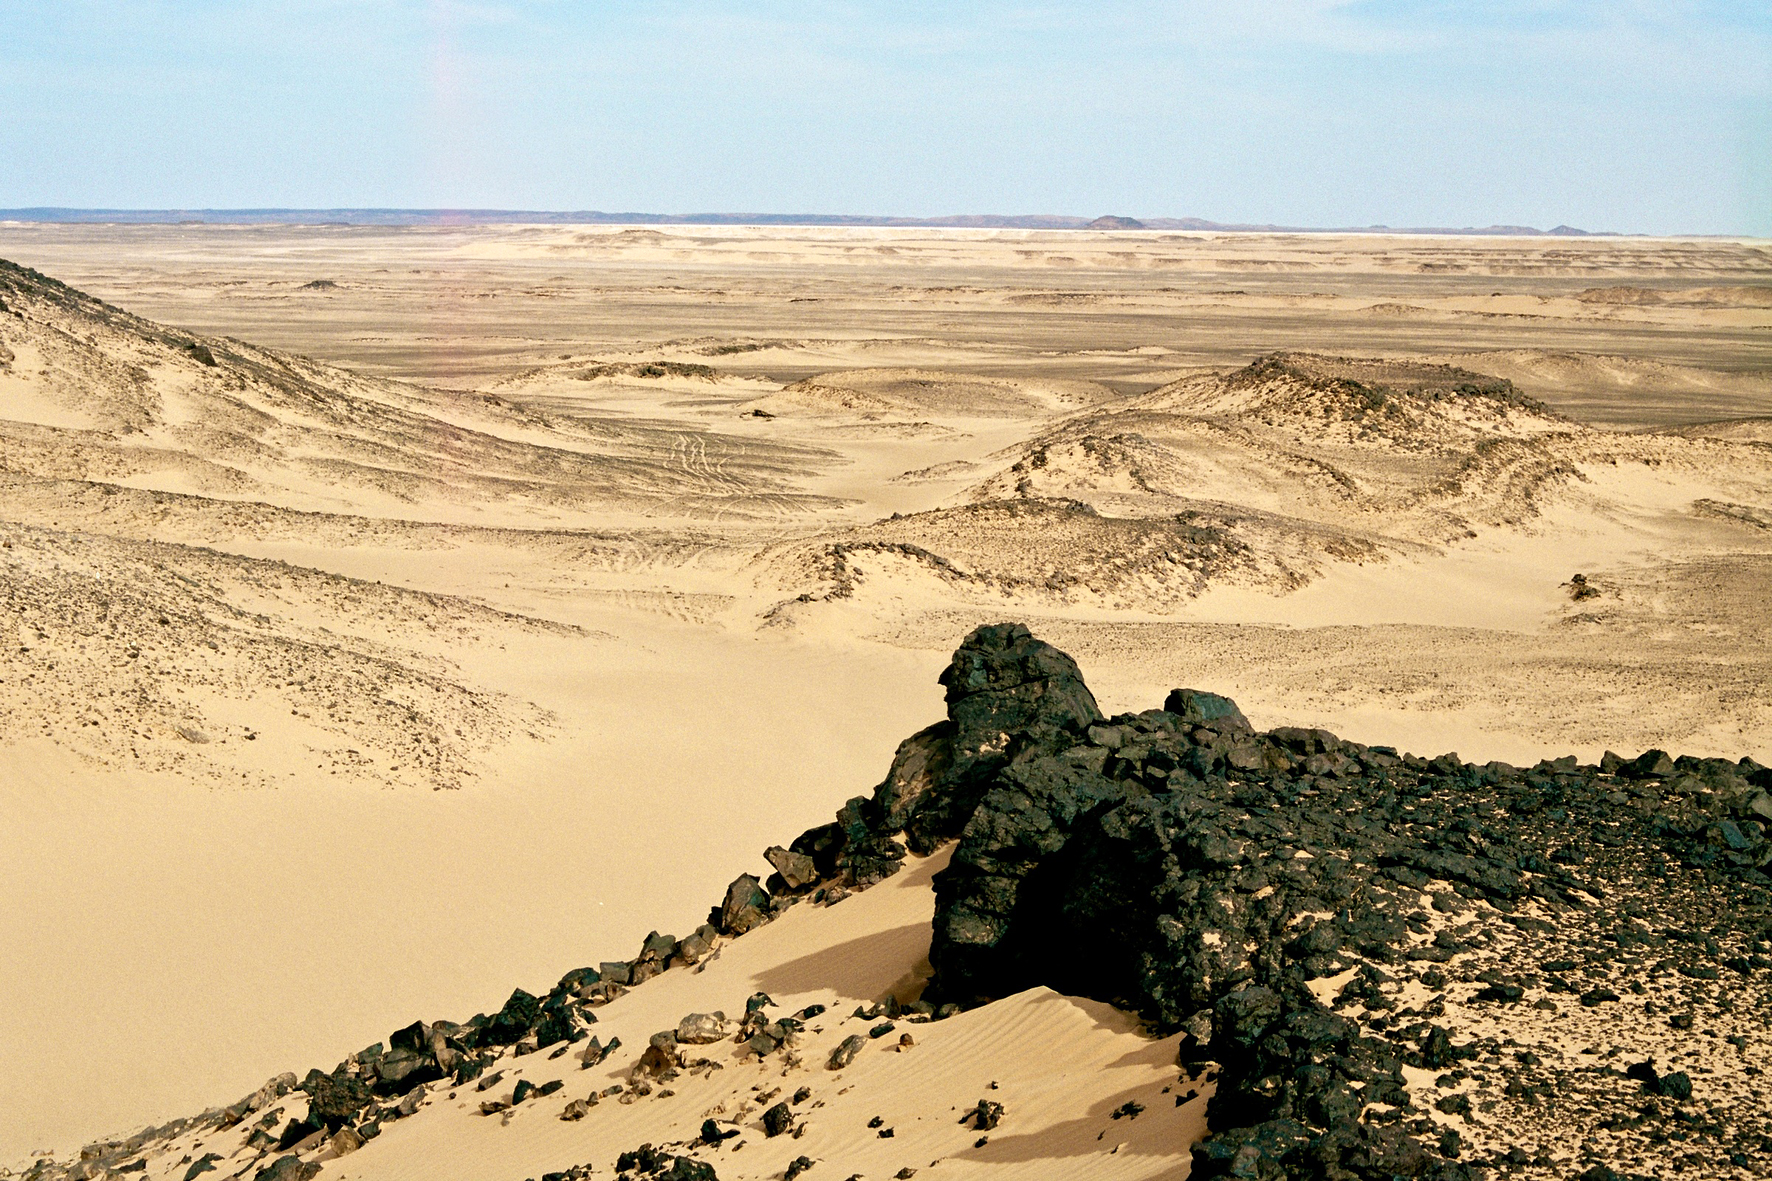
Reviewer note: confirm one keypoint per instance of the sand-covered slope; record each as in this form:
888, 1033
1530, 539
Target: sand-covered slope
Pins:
233, 671
1307, 957
91, 392
1062, 1065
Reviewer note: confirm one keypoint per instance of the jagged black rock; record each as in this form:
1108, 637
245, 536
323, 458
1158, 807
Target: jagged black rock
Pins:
1180, 864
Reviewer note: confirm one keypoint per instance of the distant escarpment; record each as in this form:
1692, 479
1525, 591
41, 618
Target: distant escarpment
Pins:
1389, 966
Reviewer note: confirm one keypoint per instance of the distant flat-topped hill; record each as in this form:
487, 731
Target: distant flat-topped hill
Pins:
480, 217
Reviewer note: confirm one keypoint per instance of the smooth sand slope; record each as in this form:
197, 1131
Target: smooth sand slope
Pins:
1061, 1065
647, 546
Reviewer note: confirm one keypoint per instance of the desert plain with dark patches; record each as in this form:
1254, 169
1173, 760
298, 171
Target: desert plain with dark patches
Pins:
395, 615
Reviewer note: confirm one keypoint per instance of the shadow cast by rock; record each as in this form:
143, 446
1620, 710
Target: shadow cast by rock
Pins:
867, 968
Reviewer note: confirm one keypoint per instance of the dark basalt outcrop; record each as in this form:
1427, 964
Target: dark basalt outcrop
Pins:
1008, 696
1182, 865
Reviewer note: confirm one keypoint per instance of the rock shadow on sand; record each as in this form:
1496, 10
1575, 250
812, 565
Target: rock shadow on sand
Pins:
1160, 1128
894, 962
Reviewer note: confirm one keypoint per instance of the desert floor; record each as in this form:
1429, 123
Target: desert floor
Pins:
475, 601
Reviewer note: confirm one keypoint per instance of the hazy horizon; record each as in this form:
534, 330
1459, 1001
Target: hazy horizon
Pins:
1650, 118
446, 216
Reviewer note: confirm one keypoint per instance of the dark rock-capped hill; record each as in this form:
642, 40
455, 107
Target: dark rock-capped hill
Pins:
1323, 917
1380, 965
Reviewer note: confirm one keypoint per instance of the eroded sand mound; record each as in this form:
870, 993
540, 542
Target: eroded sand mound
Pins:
91, 392
1328, 439
1270, 475
234, 671
1064, 552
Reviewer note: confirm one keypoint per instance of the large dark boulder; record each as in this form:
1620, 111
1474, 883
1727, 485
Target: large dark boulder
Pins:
1009, 696
401, 1070
509, 1024
746, 906
415, 1037
334, 1098
1197, 707
1007, 693
866, 854
919, 768
1021, 822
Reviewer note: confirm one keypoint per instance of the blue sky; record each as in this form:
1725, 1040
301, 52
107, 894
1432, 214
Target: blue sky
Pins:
1635, 115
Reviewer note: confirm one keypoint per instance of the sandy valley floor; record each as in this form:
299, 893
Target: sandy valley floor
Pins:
392, 617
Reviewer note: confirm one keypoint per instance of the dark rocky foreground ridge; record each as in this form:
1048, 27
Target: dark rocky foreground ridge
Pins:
1178, 863
1394, 966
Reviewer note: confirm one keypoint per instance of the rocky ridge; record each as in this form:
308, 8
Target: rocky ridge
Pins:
1391, 966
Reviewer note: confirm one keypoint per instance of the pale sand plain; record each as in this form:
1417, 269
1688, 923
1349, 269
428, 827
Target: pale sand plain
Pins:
518, 530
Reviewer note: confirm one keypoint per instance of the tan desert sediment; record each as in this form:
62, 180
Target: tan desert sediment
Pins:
647, 548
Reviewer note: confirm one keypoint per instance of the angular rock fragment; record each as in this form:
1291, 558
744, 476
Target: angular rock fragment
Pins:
333, 1099
1197, 708
713, 1133
795, 871
778, 1119
657, 1165
698, 944
845, 1053
746, 906
288, 1168
513, 1021
984, 1117
700, 1029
